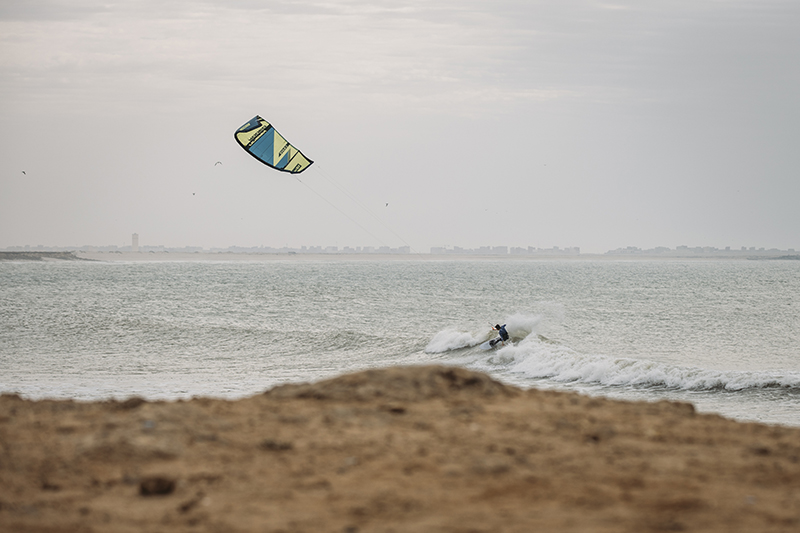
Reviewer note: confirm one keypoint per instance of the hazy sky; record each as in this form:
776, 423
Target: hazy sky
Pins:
510, 122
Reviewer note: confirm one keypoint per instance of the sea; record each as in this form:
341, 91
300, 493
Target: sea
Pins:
723, 335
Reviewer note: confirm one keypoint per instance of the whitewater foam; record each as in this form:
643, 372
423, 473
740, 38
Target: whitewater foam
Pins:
537, 359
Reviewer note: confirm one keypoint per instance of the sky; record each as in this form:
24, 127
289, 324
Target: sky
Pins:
431, 123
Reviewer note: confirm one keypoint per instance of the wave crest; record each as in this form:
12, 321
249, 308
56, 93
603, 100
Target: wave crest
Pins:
536, 360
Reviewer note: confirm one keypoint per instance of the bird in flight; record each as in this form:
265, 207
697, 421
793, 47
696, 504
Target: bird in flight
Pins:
24, 172
218, 163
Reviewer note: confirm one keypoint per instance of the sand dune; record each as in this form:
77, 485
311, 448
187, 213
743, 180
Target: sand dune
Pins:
423, 449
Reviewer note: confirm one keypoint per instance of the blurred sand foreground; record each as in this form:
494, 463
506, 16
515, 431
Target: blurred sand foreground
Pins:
422, 449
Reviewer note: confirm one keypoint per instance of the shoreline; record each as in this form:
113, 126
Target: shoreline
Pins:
433, 449
345, 257
142, 257
165, 256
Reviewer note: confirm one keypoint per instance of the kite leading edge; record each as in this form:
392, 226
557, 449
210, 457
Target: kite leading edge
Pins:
263, 142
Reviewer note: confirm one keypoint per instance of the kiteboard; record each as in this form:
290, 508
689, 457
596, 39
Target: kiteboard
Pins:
489, 346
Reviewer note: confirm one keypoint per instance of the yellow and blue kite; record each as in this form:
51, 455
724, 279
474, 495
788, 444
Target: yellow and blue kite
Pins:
263, 142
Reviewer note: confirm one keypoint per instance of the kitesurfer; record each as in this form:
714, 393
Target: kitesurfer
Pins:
503, 334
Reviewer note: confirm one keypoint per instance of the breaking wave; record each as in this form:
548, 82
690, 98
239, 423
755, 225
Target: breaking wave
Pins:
534, 358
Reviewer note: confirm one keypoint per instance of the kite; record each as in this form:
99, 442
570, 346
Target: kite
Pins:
263, 142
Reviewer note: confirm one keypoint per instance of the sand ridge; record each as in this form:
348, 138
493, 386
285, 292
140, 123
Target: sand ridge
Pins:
424, 449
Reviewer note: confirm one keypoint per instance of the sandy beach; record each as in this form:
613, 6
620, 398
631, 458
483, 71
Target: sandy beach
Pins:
433, 448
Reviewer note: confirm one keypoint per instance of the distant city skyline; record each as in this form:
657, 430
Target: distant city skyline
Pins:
682, 250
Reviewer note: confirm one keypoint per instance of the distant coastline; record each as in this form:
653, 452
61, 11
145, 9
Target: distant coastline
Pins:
239, 255
164, 256
41, 256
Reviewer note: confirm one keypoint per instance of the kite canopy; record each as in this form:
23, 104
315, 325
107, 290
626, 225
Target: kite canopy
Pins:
264, 143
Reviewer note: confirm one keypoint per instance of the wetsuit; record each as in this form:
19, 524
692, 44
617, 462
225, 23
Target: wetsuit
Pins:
503, 336
503, 333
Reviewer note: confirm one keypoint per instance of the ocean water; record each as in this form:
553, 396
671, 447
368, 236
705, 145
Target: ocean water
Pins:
723, 335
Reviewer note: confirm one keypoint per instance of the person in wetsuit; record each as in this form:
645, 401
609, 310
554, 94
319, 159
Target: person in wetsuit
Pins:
501, 330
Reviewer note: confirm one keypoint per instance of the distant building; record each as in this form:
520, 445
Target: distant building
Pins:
135, 242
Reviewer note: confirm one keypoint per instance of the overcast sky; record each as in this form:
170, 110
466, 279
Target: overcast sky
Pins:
510, 122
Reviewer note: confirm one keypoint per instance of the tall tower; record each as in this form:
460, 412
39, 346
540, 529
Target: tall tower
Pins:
135, 243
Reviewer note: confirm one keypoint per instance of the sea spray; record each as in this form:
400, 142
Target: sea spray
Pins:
453, 339
519, 326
